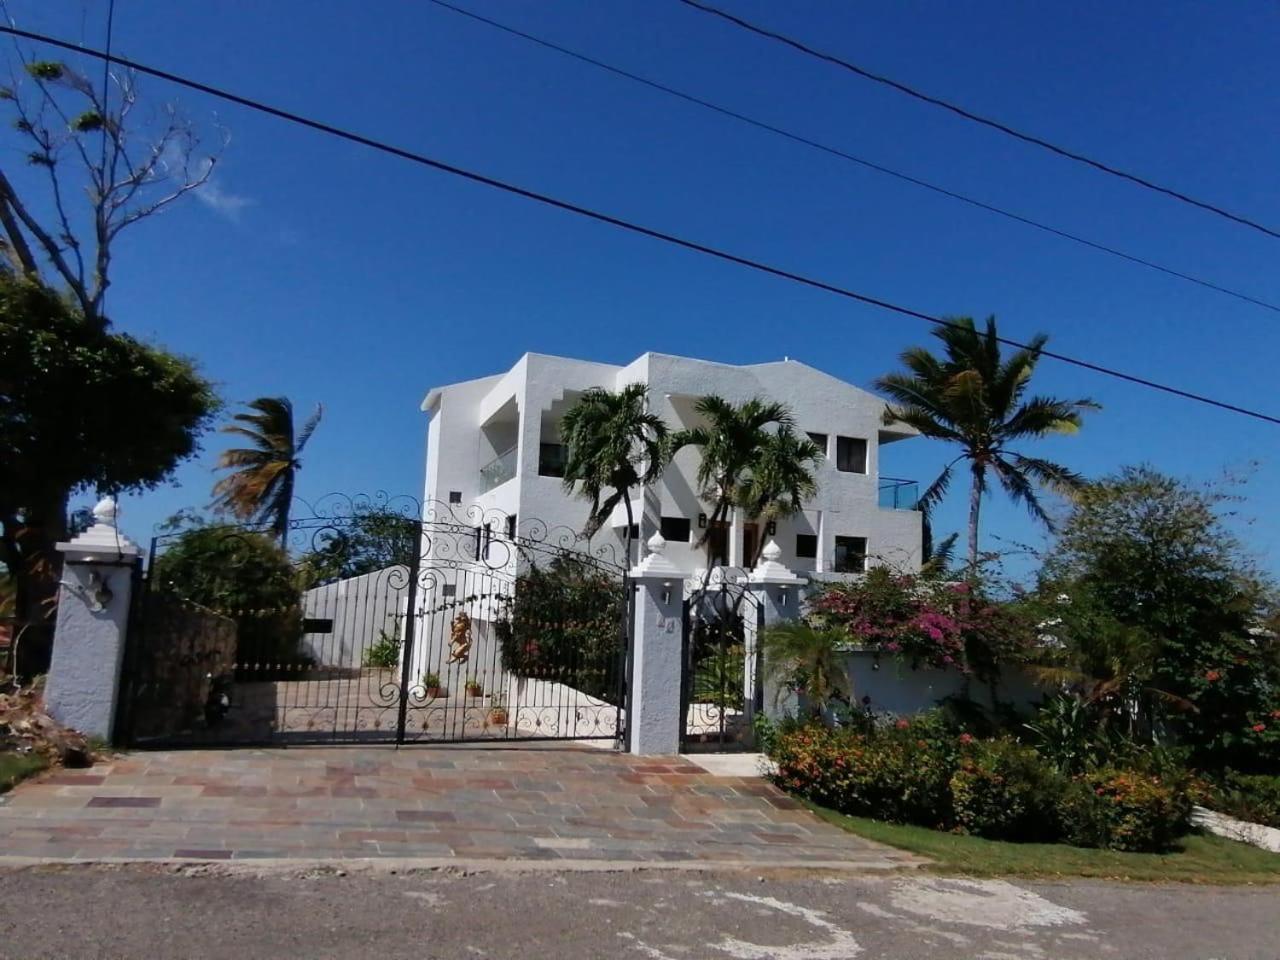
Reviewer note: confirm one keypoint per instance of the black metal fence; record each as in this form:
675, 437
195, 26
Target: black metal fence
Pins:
721, 684
381, 624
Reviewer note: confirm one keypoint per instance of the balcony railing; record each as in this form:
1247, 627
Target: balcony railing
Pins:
897, 494
498, 470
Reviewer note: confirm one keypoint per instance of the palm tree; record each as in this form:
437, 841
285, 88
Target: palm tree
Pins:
733, 441
614, 444
806, 659
975, 398
779, 480
261, 487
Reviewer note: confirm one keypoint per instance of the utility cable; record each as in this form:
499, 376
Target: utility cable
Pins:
977, 117
670, 238
861, 161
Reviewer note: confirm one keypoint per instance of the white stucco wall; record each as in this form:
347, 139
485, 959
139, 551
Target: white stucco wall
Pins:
539, 387
361, 608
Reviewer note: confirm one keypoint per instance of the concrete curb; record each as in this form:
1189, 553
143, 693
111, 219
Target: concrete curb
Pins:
393, 865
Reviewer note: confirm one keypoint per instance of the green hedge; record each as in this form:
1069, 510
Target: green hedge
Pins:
1252, 797
999, 789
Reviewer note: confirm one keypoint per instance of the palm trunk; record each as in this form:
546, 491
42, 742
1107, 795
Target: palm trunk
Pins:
975, 508
631, 522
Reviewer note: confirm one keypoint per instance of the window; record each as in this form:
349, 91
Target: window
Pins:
316, 625
511, 527
635, 531
821, 440
455, 496
851, 555
675, 529
551, 457
851, 454
806, 546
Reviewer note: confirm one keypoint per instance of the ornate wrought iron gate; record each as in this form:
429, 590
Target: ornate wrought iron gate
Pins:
721, 684
378, 621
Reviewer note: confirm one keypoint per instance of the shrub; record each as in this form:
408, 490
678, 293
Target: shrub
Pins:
1123, 810
890, 776
1003, 790
1255, 798
385, 653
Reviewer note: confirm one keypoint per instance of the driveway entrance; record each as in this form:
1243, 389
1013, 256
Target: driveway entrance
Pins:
552, 802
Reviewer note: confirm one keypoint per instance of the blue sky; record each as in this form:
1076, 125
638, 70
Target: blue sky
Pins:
332, 274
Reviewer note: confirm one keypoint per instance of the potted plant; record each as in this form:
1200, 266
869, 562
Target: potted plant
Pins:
432, 684
475, 688
498, 710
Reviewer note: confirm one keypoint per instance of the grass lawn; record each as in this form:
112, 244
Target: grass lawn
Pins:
18, 766
1200, 858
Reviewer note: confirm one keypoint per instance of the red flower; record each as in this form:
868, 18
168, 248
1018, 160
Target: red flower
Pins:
1213, 676
966, 738
1259, 727
902, 724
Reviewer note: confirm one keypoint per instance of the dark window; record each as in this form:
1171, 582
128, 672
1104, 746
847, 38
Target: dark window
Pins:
450, 590
511, 527
675, 529
806, 546
551, 457
718, 540
310, 625
821, 440
851, 454
851, 555
635, 531
455, 496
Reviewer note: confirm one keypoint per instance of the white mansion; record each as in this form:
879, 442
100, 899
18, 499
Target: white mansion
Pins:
494, 447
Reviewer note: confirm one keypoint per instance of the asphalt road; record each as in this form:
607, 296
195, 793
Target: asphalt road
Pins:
161, 912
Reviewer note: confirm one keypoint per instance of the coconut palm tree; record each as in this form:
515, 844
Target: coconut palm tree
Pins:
975, 398
779, 480
613, 445
732, 442
260, 488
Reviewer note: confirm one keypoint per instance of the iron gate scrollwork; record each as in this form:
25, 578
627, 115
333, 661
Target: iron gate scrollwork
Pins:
721, 683
379, 620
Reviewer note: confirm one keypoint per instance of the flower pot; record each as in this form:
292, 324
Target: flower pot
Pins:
434, 693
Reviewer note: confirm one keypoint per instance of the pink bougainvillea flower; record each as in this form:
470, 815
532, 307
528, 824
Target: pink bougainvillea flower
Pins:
902, 724
1213, 676
1259, 727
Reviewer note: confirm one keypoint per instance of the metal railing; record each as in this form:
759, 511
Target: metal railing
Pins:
498, 470
899, 494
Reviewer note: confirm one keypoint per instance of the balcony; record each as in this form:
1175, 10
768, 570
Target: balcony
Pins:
898, 494
499, 470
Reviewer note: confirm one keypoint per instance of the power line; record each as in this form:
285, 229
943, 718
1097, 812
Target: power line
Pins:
977, 117
852, 158
627, 225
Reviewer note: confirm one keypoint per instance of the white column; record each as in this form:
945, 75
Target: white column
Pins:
653, 719
83, 687
778, 592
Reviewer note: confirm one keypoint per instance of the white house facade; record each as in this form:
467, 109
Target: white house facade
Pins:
494, 450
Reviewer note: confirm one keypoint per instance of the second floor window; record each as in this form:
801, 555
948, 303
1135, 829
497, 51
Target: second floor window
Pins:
819, 440
551, 457
851, 454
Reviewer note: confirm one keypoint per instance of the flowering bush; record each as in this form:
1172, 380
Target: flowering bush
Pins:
1124, 810
1002, 790
890, 776
920, 620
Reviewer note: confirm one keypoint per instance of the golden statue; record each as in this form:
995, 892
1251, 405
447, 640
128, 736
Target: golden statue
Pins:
460, 639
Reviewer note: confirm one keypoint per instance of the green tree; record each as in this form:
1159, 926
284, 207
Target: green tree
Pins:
81, 408
975, 398
240, 574
613, 446
752, 459
259, 487
780, 479
372, 539
1154, 556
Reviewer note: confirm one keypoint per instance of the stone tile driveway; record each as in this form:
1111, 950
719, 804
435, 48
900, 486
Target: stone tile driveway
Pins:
527, 802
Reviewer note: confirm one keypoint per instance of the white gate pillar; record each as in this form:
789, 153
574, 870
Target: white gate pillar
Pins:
82, 690
777, 591
653, 719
